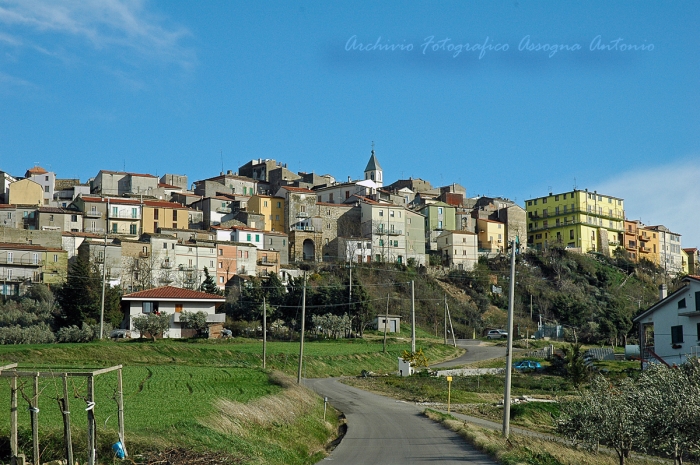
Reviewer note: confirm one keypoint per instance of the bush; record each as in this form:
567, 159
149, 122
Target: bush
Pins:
37, 334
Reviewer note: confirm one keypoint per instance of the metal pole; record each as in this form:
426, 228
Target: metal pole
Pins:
303, 323
509, 350
386, 320
264, 322
104, 275
413, 317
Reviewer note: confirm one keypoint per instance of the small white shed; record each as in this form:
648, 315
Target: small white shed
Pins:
393, 323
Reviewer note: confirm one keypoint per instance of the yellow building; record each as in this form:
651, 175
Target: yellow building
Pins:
272, 209
25, 192
491, 236
579, 220
160, 214
649, 246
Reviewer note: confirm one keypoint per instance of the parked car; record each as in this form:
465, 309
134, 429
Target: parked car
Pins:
497, 334
527, 365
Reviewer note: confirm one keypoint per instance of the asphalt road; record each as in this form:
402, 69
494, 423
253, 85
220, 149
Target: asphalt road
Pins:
475, 351
386, 431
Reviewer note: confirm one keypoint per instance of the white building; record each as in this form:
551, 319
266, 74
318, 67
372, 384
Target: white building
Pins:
459, 249
173, 301
670, 329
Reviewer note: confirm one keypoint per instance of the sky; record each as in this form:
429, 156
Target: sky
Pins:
514, 99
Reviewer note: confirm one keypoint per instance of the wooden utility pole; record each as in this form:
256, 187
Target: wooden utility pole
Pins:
447, 307
264, 325
445, 319
303, 324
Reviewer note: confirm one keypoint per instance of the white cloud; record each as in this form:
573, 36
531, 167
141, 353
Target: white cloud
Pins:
668, 195
102, 23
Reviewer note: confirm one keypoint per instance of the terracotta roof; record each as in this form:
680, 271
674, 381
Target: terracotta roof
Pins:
35, 170
55, 210
7, 205
81, 234
489, 221
115, 200
15, 246
298, 189
692, 249
162, 204
170, 292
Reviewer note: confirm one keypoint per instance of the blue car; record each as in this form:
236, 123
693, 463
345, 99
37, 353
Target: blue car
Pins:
527, 365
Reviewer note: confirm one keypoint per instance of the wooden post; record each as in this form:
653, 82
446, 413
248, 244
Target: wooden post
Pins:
91, 427
13, 416
34, 409
120, 407
264, 325
65, 407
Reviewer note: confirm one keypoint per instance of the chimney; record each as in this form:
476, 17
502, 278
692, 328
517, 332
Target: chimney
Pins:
662, 292
229, 172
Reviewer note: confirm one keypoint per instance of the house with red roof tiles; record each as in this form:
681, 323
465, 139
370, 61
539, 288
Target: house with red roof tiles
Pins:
173, 301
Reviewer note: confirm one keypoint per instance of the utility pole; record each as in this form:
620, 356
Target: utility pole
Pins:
447, 307
445, 319
303, 324
509, 350
386, 320
104, 275
264, 325
413, 317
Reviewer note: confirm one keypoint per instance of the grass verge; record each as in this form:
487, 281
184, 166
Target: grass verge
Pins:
526, 450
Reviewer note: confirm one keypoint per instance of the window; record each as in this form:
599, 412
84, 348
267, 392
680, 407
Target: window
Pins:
46, 188
9, 257
681, 303
320, 198
439, 210
55, 258
221, 279
114, 228
571, 233
174, 215
257, 238
439, 225
381, 212
178, 308
391, 213
556, 197
155, 226
279, 204
246, 254
544, 200
247, 237
697, 301
277, 217
149, 307
265, 203
676, 334
115, 211
221, 252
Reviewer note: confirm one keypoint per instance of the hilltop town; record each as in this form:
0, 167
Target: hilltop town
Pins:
148, 232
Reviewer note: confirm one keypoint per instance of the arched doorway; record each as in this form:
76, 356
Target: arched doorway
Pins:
309, 250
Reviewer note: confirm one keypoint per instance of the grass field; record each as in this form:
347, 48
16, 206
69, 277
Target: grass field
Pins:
200, 395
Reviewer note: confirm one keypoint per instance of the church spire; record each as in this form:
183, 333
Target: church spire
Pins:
373, 171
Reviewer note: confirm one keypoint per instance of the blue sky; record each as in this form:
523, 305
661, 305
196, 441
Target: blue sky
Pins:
165, 86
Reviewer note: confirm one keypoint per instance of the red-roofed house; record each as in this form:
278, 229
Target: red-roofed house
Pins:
174, 301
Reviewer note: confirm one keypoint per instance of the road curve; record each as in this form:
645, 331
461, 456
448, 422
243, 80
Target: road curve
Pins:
475, 351
386, 431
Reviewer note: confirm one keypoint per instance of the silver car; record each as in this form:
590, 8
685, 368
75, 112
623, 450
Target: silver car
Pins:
497, 334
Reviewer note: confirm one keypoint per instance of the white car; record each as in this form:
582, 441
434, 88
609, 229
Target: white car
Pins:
497, 334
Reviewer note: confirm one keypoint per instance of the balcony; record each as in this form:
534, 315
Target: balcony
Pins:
22, 261
302, 215
304, 228
122, 215
223, 210
93, 214
394, 232
267, 261
166, 264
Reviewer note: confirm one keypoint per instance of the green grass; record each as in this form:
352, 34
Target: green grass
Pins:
172, 389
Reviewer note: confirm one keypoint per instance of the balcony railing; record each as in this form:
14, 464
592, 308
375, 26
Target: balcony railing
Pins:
614, 216
304, 228
93, 214
267, 261
166, 264
28, 261
125, 215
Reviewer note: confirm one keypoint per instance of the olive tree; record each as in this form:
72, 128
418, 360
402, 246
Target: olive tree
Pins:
196, 321
155, 324
607, 414
671, 397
